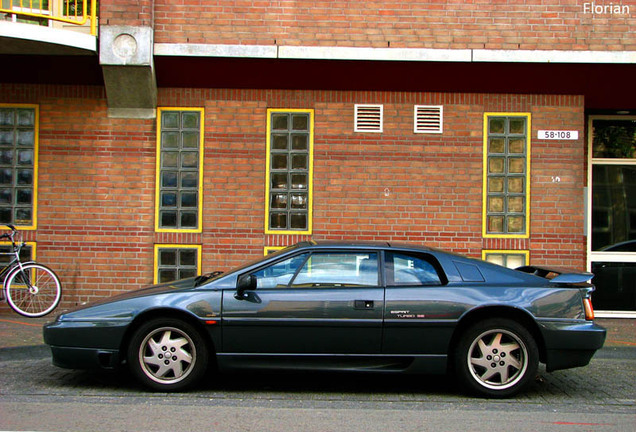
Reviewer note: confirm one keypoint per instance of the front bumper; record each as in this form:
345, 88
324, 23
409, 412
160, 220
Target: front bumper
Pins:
570, 344
85, 344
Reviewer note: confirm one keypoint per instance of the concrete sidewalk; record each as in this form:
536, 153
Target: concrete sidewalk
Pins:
18, 333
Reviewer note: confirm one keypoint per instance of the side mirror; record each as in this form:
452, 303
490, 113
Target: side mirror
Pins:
245, 283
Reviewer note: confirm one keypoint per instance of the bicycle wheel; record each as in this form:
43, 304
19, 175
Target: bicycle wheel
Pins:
33, 291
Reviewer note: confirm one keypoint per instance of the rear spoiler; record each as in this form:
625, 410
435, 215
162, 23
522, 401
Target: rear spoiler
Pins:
558, 275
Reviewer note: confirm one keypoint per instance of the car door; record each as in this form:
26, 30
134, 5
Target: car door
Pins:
311, 303
421, 312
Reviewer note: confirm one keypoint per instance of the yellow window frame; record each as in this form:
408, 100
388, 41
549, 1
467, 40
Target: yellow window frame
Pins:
485, 232
36, 152
199, 227
310, 194
158, 247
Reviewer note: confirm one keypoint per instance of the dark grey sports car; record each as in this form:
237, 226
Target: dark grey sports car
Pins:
335, 306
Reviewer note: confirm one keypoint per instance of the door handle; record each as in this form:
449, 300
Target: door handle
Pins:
363, 304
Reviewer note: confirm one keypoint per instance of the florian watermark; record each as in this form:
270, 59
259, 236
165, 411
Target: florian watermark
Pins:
605, 9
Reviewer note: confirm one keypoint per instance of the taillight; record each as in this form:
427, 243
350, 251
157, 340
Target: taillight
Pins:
589, 309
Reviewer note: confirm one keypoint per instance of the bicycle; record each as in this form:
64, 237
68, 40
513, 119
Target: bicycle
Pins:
31, 289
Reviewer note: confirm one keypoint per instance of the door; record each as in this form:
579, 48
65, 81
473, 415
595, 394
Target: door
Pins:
311, 303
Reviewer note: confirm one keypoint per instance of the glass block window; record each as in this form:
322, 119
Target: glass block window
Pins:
510, 259
174, 262
289, 171
179, 170
27, 253
18, 165
506, 160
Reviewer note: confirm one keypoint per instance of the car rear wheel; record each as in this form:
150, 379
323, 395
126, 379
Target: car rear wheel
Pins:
496, 358
167, 355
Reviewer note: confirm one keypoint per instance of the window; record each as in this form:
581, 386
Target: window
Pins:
18, 165
174, 262
179, 170
406, 269
279, 275
345, 269
289, 171
506, 168
510, 259
612, 217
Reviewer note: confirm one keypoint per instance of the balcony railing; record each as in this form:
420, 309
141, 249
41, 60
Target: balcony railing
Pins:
68, 14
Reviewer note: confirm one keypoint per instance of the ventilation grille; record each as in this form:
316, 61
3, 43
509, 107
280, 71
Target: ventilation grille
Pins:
369, 118
429, 119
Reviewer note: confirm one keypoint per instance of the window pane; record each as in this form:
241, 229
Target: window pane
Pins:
170, 159
279, 180
170, 140
279, 275
190, 120
167, 275
189, 180
279, 201
188, 200
279, 142
168, 199
6, 137
298, 221
300, 122
613, 204
496, 126
279, 161
412, 270
170, 120
188, 257
299, 142
279, 121
517, 126
26, 138
614, 138
497, 145
190, 140
338, 269
168, 257
278, 220
188, 220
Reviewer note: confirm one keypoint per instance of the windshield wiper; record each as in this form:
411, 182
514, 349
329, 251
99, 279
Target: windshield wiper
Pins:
205, 277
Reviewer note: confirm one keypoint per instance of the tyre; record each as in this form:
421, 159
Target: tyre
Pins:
33, 290
167, 355
496, 358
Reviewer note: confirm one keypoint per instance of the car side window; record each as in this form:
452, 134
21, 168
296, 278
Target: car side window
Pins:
346, 269
279, 274
411, 269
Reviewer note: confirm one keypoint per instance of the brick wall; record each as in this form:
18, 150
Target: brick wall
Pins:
97, 179
457, 24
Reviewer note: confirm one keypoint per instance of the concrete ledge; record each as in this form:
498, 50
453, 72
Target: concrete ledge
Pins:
378, 54
212, 50
393, 54
553, 56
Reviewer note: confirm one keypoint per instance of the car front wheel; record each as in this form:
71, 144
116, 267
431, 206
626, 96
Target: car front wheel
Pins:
496, 358
167, 355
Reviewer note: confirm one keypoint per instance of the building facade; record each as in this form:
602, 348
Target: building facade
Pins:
172, 140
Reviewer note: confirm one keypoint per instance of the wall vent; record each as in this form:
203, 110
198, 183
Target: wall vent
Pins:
369, 118
428, 119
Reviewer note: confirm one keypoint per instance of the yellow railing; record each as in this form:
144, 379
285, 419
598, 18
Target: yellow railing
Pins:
73, 12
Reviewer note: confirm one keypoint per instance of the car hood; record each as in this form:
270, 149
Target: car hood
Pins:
162, 288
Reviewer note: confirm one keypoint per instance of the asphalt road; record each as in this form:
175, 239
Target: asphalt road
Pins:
39, 397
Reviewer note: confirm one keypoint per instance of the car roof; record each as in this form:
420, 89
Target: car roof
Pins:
358, 244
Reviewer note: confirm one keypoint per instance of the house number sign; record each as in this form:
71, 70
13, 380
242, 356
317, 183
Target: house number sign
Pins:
558, 135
